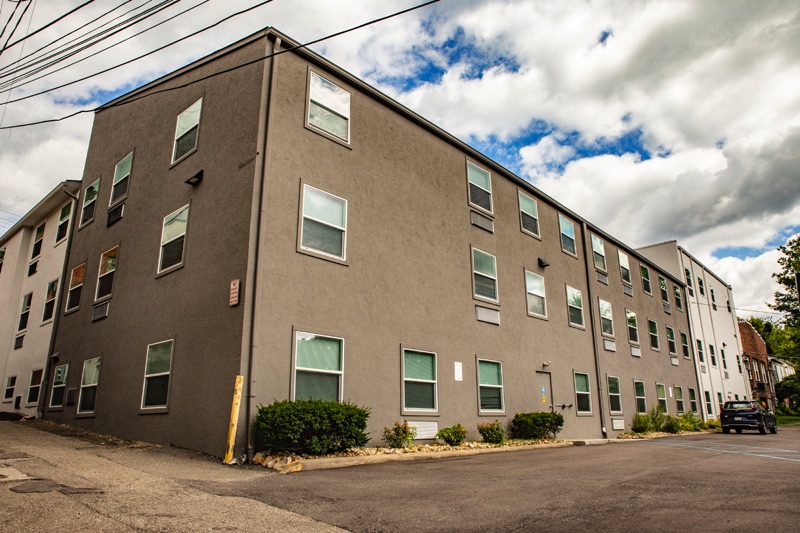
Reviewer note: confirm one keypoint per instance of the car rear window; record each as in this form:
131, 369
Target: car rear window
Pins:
740, 406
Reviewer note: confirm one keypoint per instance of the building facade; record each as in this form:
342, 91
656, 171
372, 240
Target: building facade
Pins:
715, 335
32, 256
756, 362
286, 222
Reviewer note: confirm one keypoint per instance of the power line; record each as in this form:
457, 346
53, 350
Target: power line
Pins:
62, 17
27, 5
231, 69
5, 26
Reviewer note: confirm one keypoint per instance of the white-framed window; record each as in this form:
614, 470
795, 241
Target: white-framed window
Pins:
653, 328
24, 312
34, 386
685, 344
641, 398
679, 399
63, 222
105, 274
484, 275
727, 302
678, 297
490, 385
567, 229
661, 395
648, 288
624, 267
662, 284
328, 107
50, 301
575, 306
614, 395
537, 302
89, 202
59, 386
173, 237
157, 368
324, 223
671, 344
709, 404
480, 187
529, 214
8, 392
739, 362
122, 174
725, 361
713, 354
700, 353
693, 400
186, 131
419, 381
598, 253
36, 250
583, 393
89, 379
319, 367
606, 318
700, 286
713, 299
633, 327
76, 280
688, 276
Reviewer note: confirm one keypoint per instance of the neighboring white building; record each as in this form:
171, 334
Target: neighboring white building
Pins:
32, 256
715, 334
780, 369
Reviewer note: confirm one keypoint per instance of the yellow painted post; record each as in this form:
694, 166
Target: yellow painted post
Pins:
237, 401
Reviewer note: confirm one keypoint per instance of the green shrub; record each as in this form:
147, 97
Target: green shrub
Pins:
454, 435
641, 423
536, 425
672, 424
399, 435
691, 422
492, 432
310, 426
657, 418
713, 424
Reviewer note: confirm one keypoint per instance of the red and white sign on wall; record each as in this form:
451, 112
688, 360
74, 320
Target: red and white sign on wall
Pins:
234, 299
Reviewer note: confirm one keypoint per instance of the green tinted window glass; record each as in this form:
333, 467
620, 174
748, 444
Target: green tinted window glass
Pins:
420, 365
490, 373
582, 382
159, 357
319, 353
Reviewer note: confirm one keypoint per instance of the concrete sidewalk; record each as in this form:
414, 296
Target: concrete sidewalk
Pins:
49, 483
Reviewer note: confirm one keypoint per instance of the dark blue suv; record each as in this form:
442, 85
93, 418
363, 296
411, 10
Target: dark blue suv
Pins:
747, 414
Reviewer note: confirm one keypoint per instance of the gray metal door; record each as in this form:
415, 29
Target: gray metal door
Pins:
542, 392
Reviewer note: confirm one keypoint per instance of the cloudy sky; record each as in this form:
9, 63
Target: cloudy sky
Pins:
654, 120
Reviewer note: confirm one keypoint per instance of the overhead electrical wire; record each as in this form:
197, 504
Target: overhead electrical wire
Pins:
117, 29
10, 35
31, 34
268, 56
5, 26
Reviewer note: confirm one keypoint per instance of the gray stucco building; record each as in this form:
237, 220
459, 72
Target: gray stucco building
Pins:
274, 217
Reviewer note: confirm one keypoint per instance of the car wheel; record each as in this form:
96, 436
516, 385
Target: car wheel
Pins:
762, 429
738, 431
726, 430
774, 428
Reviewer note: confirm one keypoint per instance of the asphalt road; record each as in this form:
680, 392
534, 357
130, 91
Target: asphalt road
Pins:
708, 482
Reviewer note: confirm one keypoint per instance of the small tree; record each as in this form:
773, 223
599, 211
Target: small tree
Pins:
787, 302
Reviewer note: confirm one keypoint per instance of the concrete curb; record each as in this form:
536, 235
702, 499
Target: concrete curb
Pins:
345, 462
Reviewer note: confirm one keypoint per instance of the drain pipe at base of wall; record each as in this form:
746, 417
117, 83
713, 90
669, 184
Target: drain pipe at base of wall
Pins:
593, 328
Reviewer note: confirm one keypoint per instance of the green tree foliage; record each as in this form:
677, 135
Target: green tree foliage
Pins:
789, 388
784, 342
787, 302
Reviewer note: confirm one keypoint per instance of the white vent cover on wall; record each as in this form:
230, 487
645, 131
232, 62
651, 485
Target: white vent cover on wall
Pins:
425, 430
484, 314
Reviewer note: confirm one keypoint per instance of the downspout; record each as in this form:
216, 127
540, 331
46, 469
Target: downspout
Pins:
260, 179
59, 301
593, 328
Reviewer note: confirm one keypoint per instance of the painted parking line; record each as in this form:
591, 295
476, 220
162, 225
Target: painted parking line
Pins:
716, 447
733, 445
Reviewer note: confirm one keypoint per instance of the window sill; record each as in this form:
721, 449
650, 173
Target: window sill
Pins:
573, 255
84, 415
59, 242
104, 299
576, 326
84, 224
154, 411
483, 300
584, 414
55, 409
492, 413
329, 136
73, 310
169, 270
482, 210
407, 412
324, 257
607, 336
48, 321
540, 317
182, 158
529, 234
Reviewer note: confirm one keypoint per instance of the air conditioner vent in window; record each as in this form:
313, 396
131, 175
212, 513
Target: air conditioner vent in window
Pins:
71, 396
99, 312
627, 289
667, 309
115, 214
609, 345
703, 369
481, 221
673, 361
602, 278
484, 314
18, 342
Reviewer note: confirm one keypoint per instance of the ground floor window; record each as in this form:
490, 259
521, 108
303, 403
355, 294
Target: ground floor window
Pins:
35, 386
59, 386
641, 399
679, 399
319, 367
8, 393
419, 380
693, 400
614, 396
156, 375
661, 394
583, 393
709, 406
89, 379
490, 384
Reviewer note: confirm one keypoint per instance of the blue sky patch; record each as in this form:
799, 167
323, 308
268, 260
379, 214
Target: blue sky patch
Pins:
97, 97
605, 35
744, 252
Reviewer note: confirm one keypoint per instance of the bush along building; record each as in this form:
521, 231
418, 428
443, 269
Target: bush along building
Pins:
282, 220
715, 338
32, 255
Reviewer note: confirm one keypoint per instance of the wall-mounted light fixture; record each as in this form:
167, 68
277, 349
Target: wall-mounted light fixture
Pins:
543, 263
196, 179
547, 363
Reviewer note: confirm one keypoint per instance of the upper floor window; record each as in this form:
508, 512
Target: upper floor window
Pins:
89, 202
173, 234
633, 327
537, 303
653, 334
662, 284
671, 344
480, 187
36, 251
567, 229
701, 287
678, 298
25, 311
105, 275
484, 275
419, 381
685, 345
624, 267
713, 354
648, 288
329, 107
713, 299
324, 223
598, 253
575, 305
319, 367
700, 354
727, 302
606, 318
76, 279
689, 281
122, 174
529, 214
186, 131
63, 222
50, 301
